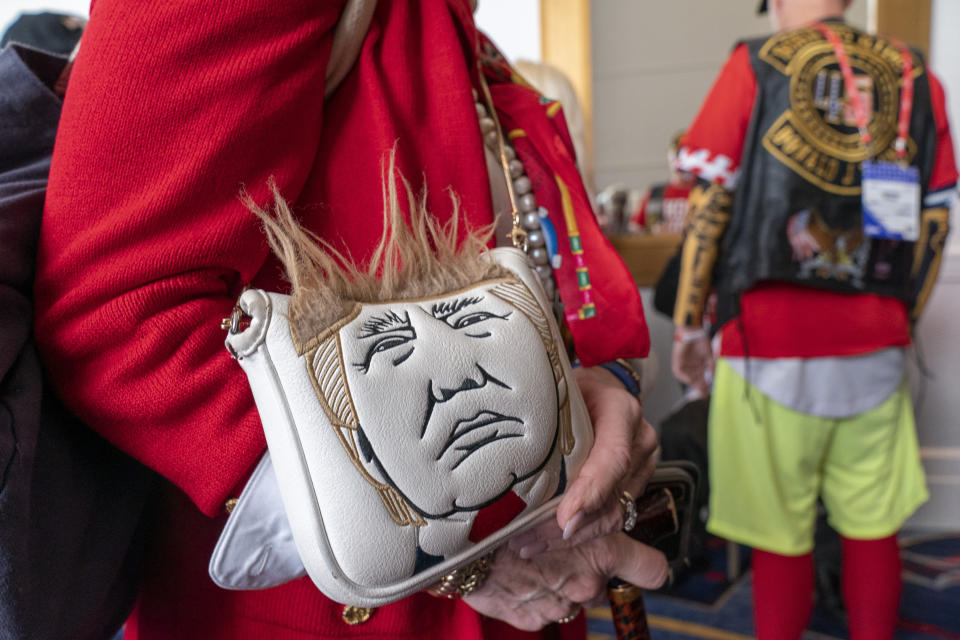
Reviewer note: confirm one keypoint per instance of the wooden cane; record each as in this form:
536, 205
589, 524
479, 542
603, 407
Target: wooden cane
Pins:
657, 519
629, 614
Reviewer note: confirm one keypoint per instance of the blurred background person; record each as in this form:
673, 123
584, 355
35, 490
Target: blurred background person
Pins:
663, 208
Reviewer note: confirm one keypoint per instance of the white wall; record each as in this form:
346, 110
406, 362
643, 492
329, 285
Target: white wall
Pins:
937, 404
513, 25
938, 407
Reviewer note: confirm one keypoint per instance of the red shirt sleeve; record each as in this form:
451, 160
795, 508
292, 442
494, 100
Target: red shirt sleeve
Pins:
638, 221
171, 107
943, 178
712, 146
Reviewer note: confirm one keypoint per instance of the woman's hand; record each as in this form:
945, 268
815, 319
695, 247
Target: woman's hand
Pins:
534, 592
693, 358
548, 573
622, 459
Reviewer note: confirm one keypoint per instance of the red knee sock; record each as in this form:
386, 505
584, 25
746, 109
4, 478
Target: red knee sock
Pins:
871, 587
782, 594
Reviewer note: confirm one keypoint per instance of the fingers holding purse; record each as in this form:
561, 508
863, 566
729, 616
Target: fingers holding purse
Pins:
552, 586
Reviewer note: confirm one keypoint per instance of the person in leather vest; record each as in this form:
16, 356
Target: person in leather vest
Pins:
826, 172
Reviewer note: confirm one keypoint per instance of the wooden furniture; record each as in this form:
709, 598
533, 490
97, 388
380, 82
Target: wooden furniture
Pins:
646, 256
908, 20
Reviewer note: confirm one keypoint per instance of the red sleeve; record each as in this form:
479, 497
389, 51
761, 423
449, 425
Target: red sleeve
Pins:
172, 106
713, 144
943, 178
639, 219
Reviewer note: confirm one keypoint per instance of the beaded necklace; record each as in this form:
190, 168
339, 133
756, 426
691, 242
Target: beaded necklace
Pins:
527, 233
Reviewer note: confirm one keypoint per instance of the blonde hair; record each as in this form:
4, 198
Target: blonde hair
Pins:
422, 259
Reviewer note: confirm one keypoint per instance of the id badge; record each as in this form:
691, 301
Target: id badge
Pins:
891, 201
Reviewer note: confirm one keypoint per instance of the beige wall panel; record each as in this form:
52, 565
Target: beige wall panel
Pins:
631, 37
635, 176
635, 35
633, 127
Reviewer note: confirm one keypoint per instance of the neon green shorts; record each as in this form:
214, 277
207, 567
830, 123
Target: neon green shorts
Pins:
768, 464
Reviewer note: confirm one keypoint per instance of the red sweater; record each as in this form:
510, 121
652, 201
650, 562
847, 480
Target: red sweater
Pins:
172, 107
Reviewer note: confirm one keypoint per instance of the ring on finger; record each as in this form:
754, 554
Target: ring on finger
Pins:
571, 617
630, 514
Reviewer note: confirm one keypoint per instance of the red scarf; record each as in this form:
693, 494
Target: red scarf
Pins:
602, 306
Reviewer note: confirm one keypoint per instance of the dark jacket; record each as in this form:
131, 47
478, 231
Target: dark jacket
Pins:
70, 503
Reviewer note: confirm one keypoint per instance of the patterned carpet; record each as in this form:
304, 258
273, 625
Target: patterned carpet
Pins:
705, 604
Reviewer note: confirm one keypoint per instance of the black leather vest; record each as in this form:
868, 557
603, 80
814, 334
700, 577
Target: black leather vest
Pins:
800, 170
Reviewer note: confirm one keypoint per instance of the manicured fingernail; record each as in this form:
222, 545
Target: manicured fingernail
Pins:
572, 525
533, 549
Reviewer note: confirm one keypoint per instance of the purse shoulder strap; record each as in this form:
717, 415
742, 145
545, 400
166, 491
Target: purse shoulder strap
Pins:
347, 40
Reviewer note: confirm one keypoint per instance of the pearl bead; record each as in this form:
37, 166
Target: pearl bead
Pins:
487, 124
527, 203
530, 221
522, 185
539, 257
550, 288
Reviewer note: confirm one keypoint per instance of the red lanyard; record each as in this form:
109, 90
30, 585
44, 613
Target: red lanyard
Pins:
859, 110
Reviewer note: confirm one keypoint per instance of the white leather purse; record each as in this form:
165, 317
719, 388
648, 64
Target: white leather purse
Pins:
409, 438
